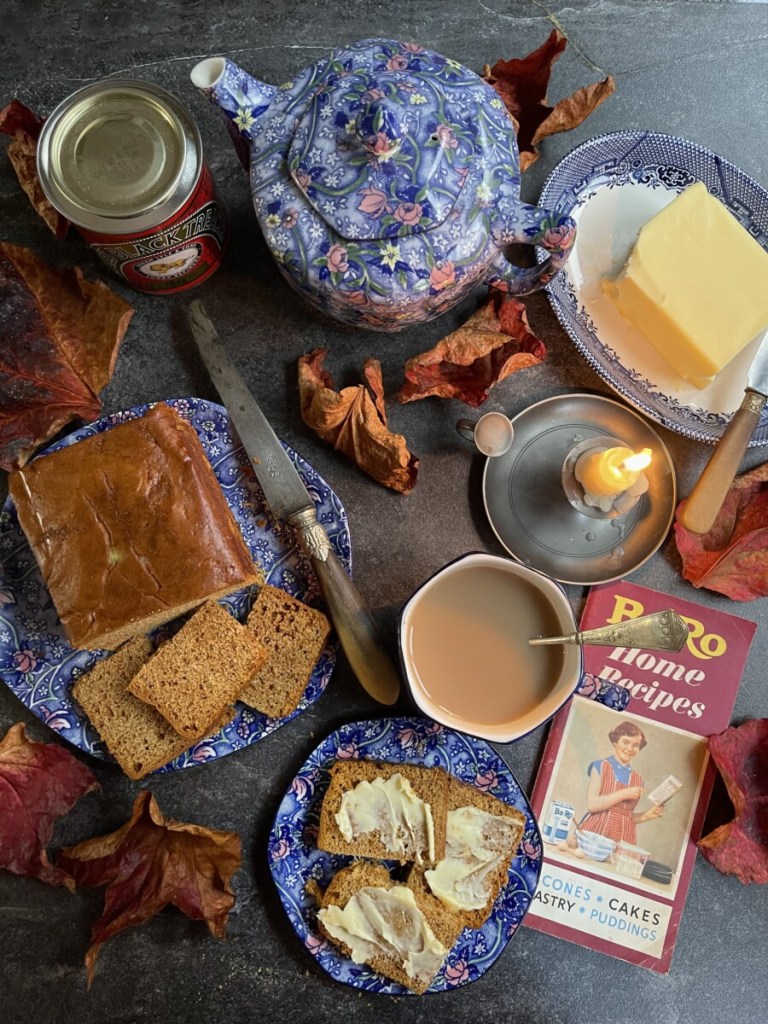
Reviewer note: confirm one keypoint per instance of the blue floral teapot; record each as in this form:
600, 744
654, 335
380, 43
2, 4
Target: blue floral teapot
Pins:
386, 180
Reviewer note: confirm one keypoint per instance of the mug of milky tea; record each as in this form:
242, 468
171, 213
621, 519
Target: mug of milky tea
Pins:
465, 653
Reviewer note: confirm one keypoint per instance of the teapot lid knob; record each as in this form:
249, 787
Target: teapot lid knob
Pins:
380, 127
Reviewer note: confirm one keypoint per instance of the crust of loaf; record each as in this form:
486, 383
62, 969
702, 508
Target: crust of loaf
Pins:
130, 529
430, 784
295, 636
460, 794
362, 874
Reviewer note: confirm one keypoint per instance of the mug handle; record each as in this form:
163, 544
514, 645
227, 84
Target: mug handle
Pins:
532, 225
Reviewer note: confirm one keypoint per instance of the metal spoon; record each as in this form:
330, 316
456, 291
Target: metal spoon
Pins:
661, 631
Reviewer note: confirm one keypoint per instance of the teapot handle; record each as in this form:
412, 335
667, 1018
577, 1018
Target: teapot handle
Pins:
532, 225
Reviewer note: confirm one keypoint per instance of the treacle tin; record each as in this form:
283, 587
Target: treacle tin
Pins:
122, 160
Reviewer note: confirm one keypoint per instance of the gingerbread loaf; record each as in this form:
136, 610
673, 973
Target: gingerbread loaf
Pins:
194, 678
130, 529
137, 736
295, 636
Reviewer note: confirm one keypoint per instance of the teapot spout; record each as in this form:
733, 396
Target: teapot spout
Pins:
241, 98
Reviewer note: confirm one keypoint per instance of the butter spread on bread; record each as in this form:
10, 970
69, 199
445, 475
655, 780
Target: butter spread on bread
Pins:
390, 808
429, 785
386, 922
477, 844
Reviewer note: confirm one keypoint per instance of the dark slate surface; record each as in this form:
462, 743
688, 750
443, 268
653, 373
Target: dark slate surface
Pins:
696, 69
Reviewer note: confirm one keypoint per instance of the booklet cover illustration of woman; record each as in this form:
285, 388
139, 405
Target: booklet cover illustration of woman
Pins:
614, 789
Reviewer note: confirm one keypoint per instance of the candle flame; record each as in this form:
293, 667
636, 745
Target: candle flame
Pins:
638, 462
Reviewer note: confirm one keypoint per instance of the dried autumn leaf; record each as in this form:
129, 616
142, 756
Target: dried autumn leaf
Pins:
733, 557
493, 343
354, 421
39, 782
16, 117
741, 847
59, 340
569, 113
522, 85
23, 125
153, 861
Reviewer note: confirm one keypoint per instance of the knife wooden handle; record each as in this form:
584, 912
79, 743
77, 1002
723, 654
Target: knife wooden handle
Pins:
708, 495
354, 624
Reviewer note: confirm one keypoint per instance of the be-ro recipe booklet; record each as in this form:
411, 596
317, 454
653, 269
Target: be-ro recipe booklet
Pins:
621, 796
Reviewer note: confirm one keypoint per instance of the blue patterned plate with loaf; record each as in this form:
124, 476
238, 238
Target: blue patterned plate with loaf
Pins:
36, 659
299, 868
611, 185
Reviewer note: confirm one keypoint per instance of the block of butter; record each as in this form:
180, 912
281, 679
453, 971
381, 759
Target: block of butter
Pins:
695, 285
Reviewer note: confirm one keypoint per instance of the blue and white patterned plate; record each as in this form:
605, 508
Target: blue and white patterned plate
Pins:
295, 860
611, 185
38, 663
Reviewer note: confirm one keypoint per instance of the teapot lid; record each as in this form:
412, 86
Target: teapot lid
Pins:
385, 145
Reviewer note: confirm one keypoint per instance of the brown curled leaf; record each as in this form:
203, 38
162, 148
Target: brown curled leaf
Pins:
732, 558
522, 84
741, 847
151, 862
23, 125
354, 421
59, 340
493, 343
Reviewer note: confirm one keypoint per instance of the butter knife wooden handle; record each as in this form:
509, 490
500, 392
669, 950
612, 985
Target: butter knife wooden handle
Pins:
354, 624
707, 497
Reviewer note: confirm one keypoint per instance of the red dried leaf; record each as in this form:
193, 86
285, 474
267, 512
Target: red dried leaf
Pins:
23, 125
39, 782
741, 847
15, 117
59, 340
153, 861
495, 342
733, 557
354, 421
522, 84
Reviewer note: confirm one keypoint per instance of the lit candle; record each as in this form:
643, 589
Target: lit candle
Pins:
612, 470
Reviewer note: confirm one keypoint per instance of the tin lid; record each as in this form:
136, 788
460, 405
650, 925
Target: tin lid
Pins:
119, 156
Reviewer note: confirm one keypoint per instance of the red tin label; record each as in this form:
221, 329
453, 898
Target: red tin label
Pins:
178, 254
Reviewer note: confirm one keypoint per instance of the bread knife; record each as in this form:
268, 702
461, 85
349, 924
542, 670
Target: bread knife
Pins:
289, 500
699, 512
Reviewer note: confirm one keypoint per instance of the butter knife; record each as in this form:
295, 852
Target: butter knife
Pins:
289, 500
706, 499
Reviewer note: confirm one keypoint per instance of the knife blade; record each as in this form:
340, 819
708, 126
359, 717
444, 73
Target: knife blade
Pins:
289, 500
706, 499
